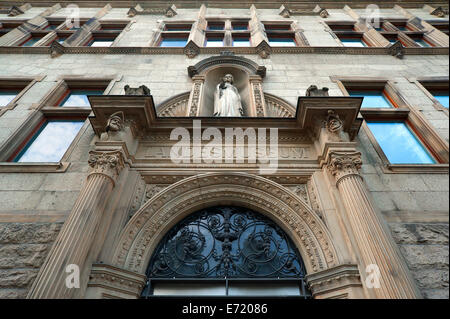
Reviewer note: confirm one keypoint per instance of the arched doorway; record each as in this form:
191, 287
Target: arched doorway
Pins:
226, 251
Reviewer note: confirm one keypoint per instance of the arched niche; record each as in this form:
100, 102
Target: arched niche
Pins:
213, 77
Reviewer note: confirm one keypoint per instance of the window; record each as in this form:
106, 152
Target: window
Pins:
239, 26
102, 39
214, 40
30, 41
78, 98
50, 141
437, 90
191, 259
6, 96
342, 26
282, 41
399, 143
101, 43
353, 42
422, 42
178, 27
241, 40
402, 138
277, 27
216, 26
173, 40
113, 26
372, 99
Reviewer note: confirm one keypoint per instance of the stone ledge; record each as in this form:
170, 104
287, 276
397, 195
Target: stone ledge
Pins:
6, 167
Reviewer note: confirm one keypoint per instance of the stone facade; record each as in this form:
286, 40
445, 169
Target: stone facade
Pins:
35, 204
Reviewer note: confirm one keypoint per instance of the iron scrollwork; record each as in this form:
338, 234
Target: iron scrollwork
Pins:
226, 242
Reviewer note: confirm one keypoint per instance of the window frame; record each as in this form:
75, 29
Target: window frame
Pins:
401, 111
425, 83
23, 84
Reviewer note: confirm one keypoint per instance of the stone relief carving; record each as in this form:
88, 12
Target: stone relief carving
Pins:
152, 190
195, 98
227, 101
342, 164
114, 124
313, 90
108, 164
157, 214
439, 12
397, 50
191, 50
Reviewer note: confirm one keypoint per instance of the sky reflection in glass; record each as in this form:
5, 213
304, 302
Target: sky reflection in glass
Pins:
6, 97
173, 42
51, 142
79, 98
358, 43
399, 143
282, 42
373, 99
441, 97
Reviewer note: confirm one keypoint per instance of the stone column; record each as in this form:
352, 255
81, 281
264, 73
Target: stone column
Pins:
372, 237
79, 231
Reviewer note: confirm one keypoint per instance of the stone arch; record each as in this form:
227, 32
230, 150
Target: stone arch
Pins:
251, 67
146, 228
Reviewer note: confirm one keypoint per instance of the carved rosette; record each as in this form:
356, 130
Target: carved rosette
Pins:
108, 164
344, 164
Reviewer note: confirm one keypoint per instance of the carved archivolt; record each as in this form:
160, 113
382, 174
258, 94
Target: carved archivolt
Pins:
177, 106
142, 233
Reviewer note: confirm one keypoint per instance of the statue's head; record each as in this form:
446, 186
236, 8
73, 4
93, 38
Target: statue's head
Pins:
115, 122
228, 78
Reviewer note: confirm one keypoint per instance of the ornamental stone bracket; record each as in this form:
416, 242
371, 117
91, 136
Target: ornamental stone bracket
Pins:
397, 50
286, 13
263, 49
15, 10
340, 282
191, 49
107, 281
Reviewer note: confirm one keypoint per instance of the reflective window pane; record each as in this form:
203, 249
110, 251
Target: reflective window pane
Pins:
101, 43
399, 144
282, 42
30, 42
353, 43
173, 42
422, 43
214, 42
442, 98
6, 97
372, 99
51, 142
79, 98
241, 42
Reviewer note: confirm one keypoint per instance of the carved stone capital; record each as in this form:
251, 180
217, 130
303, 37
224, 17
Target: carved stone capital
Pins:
343, 164
109, 164
337, 282
113, 282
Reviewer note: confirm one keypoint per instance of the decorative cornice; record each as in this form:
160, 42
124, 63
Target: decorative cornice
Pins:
344, 164
261, 50
109, 164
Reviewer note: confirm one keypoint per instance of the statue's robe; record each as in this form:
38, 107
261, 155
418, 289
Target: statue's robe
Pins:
227, 101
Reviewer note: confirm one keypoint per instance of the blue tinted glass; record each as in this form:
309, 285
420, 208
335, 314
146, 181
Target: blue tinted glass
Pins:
216, 26
51, 142
399, 143
240, 27
353, 43
442, 98
79, 97
373, 99
422, 43
30, 42
241, 42
282, 42
214, 42
6, 97
51, 27
173, 42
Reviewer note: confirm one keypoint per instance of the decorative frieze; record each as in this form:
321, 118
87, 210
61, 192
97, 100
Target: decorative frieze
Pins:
138, 10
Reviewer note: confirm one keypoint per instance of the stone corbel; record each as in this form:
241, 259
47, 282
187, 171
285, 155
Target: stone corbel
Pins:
15, 10
258, 104
284, 12
107, 281
323, 13
263, 49
56, 49
194, 104
438, 12
340, 282
191, 50
397, 50
171, 11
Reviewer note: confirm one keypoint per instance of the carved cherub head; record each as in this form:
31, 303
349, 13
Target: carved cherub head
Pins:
115, 122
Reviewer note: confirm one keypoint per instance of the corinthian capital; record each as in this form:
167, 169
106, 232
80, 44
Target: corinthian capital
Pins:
342, 164
106, 163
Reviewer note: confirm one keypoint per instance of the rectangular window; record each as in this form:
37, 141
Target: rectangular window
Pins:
216, 26
350, 26
50, 142
241, 41
239, 26
399, 143
372, 99
6, 96
78, 98
214, 41
353, 42
277, 27
173, 41
282, 41
178, 27
30, 42
101, 43
438, 89
442, 97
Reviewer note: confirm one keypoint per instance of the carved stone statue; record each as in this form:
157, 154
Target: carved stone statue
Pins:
227, 101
